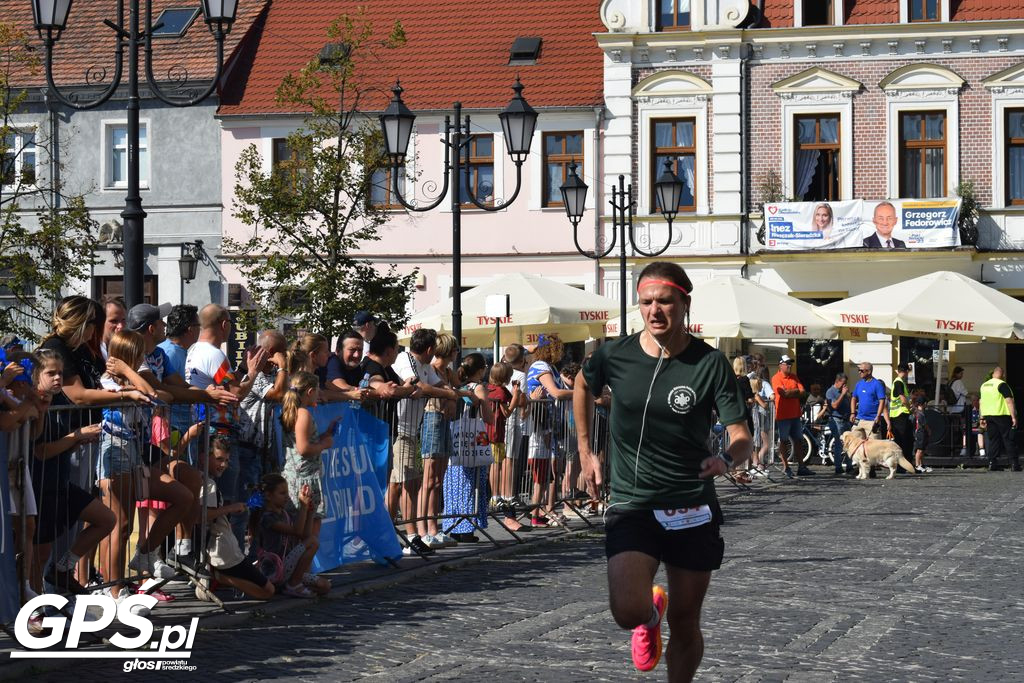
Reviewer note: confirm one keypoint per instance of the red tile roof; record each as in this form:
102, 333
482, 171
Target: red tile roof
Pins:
777, 14
873, 12
87, 43
976, 10
454, 51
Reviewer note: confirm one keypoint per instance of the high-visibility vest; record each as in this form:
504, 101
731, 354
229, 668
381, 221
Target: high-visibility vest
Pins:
902, 408
992, 402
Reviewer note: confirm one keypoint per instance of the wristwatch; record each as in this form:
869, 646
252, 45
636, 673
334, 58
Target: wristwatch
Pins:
726, 458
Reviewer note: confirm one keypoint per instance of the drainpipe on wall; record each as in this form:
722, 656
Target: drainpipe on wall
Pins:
744, 157
598, 184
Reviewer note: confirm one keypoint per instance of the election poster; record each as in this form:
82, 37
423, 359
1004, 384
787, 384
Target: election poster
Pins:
883, 224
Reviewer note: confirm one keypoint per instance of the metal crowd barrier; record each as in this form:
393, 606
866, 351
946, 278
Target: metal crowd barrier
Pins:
470, 474
89, 488
130, 470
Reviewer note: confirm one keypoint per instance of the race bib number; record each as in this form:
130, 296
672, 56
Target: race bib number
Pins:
683, 518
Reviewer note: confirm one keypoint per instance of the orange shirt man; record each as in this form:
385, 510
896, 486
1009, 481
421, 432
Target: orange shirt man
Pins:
788, 428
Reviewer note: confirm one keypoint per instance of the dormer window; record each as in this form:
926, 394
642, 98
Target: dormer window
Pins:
818, 13
673, 15
924, 10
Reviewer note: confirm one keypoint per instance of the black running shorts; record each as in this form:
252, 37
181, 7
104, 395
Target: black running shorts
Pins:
698, 549
59, 509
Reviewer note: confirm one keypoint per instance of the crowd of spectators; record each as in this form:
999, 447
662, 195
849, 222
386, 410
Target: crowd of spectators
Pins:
782, 412
139, 435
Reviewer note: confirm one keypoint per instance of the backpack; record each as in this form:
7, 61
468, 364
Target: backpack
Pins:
949, 395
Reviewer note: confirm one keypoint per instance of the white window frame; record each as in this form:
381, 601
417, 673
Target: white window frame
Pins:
500, 157
19, 161
948, 104
826, 104
587, 170
837, 12
999, 106
905, 14
1007, 92
671, 94
650, 113
107, 156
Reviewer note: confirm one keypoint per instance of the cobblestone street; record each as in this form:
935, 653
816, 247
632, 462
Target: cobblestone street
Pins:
825, 580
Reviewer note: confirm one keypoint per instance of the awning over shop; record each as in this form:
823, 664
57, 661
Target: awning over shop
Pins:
537, 305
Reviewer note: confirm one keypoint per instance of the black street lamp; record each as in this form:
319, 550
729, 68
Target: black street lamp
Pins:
50, 20
668, 188
188, 263
518, 121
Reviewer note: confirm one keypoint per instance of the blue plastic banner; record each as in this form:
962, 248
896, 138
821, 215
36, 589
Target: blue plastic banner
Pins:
357, 526
8, 572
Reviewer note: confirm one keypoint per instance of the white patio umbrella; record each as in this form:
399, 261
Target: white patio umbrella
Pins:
943, 304
538, 305
733, 307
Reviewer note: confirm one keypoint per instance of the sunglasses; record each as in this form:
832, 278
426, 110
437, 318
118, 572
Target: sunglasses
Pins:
861, 371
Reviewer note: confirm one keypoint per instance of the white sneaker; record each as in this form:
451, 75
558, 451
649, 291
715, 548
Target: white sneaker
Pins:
162, 570
446, 539
138, 610
433, 541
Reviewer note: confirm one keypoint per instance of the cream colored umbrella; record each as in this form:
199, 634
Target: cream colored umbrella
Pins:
538, 305
944, 304
733, 307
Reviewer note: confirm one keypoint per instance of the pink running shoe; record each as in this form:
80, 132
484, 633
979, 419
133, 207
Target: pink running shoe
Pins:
646, 643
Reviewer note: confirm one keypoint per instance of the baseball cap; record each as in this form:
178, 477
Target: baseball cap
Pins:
363, 317
786, 359
142, 316
12, 342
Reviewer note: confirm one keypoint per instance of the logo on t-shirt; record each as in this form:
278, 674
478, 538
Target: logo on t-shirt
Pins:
682, 400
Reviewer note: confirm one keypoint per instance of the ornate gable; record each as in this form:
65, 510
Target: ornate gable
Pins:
1008, 81
672, 86
816, 83
915, 80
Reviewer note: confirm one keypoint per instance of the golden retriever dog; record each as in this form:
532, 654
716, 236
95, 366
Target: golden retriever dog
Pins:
866, 453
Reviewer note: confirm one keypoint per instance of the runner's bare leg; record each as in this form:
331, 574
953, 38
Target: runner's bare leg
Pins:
685, 647
630, 579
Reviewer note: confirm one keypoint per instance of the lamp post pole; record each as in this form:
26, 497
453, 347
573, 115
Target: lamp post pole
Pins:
51, 19
667, 189
518, 121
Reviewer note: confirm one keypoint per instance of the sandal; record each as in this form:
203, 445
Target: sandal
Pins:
299, 591
518, 528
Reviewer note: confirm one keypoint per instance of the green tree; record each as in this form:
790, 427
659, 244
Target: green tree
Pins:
311, 212
38, 263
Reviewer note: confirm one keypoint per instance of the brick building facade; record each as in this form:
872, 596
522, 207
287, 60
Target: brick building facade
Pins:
873, 69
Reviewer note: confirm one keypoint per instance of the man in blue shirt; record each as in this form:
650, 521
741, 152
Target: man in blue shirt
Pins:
868, 402
182, 332
837, 398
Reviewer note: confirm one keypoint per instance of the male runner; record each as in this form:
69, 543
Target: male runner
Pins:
664, 386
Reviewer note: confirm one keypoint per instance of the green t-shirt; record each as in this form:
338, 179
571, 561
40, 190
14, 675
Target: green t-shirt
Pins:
678, 424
